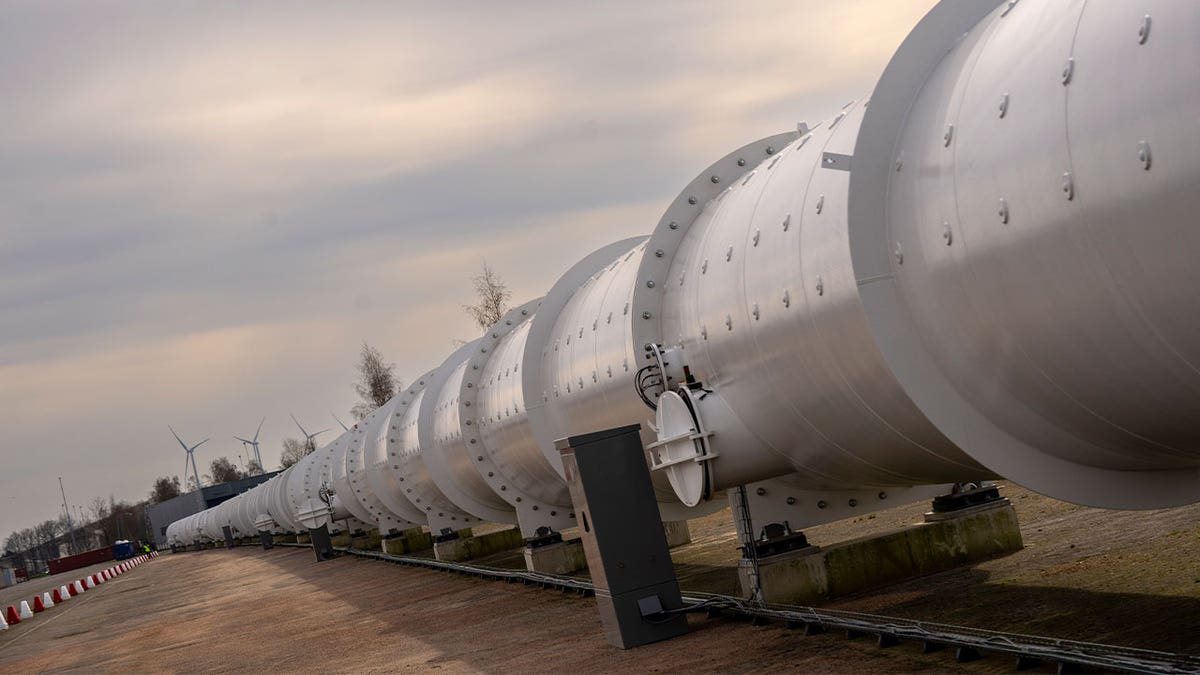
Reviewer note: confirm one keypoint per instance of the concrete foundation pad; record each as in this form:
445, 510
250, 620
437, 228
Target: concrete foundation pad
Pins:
561, 558
677, 533
467, 548
814, 574
408, 541
367, 542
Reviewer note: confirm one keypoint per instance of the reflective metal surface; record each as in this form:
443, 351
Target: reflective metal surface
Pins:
1044, 314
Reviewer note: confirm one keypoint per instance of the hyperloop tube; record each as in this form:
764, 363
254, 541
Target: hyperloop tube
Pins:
444, 449
1023, 229
407, 463
350, 465
761, 301
383, 482
338, 450
362, 435
847, 312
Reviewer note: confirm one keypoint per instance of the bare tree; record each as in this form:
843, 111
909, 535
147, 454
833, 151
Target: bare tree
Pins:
293, 451
224, 471
253, 469
376, 384
165, 488
491, 298
98, 508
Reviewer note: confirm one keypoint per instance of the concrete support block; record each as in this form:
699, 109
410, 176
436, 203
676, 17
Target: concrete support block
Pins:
812, 574
303, 538
561, 558
469, 548
677, 533
408, 541
341, 539
369, 541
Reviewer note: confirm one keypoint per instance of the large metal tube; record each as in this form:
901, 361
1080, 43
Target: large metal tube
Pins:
986, 268
1043, 312
761, 304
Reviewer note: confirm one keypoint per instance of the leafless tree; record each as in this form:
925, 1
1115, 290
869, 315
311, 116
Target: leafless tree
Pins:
293, 451
376, 384
253, 469
98, 508
491, 298
224, 471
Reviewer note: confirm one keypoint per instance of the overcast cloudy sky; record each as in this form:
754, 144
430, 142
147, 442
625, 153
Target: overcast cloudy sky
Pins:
205, 207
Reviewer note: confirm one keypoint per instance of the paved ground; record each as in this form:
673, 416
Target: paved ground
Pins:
1121, 577
13, 595
1126, 578
279, 611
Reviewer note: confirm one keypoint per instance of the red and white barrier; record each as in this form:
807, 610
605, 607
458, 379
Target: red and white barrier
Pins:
14, 615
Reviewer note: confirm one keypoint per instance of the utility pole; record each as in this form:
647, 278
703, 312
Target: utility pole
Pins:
67, 508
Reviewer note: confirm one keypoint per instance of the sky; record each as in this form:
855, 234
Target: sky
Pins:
206, 207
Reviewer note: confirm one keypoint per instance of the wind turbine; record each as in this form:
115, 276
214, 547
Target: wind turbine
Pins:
190, 457
308, 438
344, 427
254, 444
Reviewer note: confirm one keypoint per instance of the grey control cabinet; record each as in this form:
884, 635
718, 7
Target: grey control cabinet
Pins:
622, 535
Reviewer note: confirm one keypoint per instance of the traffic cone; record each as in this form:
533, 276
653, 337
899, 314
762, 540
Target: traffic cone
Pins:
73, 588
47, 600
27, 613
93, 581
11, 615
3, 623
57, 595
